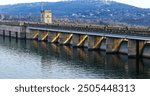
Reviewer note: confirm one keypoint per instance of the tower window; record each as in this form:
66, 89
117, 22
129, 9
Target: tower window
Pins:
48, 16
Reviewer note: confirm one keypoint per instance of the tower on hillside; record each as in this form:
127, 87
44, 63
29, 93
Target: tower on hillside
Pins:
46, 16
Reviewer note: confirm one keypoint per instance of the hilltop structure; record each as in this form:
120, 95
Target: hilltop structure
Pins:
46, 16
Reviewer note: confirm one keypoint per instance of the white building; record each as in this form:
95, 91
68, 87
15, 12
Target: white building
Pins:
46, 16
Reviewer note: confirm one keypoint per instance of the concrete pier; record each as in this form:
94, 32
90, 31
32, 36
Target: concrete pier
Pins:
135, 48
34, 34
94, 42
43, 36
112, 45
80, 40
53, 37
65, 38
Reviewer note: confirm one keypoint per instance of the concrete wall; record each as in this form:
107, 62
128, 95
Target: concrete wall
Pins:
13, 31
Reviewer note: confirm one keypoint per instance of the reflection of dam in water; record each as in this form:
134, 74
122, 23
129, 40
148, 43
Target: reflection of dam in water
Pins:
58, 61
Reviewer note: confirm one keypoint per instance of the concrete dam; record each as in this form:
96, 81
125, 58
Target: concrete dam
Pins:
133, 41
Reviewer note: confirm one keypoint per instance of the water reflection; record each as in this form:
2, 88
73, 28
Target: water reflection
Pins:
43, 60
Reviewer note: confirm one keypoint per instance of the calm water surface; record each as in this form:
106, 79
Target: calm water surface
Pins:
31, 59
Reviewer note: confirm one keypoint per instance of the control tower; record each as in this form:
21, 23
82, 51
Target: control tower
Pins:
46, 16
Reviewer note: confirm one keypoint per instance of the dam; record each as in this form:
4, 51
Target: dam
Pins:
113, 39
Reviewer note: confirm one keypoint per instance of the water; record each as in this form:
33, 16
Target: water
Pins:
20, 59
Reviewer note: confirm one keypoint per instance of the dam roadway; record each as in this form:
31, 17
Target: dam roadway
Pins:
109, 38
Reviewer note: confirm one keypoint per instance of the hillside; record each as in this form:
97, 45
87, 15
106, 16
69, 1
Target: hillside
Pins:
83, 9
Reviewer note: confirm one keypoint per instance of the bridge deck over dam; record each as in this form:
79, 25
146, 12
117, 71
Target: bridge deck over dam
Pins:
109, 38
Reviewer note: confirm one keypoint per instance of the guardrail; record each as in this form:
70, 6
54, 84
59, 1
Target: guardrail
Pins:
125, 30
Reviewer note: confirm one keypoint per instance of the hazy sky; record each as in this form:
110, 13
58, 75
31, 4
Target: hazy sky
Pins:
138, 3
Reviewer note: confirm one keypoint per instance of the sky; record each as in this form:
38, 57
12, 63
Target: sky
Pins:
137, 3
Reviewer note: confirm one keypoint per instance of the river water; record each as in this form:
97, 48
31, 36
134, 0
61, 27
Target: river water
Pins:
29, 59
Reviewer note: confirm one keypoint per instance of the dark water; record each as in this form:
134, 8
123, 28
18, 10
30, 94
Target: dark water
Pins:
31, 59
